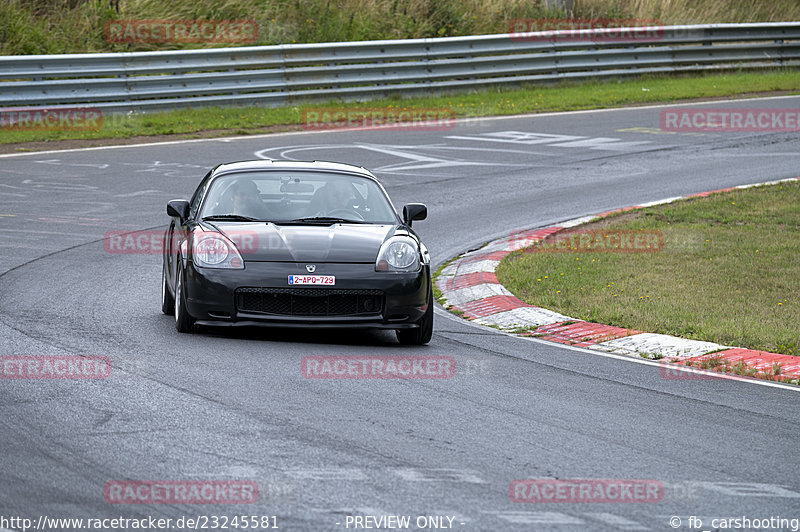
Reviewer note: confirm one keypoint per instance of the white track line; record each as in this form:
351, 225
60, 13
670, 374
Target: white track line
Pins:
473, 120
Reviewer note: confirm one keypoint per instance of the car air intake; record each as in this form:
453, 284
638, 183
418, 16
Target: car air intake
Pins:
309, 301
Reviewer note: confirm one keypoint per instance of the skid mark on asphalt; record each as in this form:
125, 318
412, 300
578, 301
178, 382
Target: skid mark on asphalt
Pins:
58, 162
137, 193
170, 169
615, 520
407, 474
59, 186
439, 475
328, 474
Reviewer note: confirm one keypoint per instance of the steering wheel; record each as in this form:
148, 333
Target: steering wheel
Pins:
337, 214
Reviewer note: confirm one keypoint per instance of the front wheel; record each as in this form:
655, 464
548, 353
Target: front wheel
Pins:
183, 321
422, 334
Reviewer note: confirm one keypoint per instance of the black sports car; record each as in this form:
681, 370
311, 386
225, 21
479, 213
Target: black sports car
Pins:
296, 244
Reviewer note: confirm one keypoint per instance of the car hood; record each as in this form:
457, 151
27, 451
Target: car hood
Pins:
306, 243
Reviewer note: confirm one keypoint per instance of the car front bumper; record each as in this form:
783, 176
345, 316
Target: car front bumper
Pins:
211, 295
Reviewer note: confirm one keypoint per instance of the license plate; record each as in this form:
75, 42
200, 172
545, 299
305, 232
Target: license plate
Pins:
312, 279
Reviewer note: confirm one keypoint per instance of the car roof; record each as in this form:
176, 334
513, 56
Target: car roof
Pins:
270, 164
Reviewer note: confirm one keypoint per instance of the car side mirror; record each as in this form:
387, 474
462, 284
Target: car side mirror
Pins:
414, 211
178, 209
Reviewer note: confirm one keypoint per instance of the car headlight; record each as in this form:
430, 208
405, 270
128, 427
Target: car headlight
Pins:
398, 254
212, 250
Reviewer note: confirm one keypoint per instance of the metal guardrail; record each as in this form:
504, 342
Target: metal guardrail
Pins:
285, 74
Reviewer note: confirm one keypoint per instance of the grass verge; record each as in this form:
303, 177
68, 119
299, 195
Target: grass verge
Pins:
211, 122
727, 272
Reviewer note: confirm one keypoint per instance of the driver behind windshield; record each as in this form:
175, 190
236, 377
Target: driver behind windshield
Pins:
246, 200
335, 196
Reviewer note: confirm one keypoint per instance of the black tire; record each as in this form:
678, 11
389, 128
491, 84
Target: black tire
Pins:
422, 334
167, 301
183, 321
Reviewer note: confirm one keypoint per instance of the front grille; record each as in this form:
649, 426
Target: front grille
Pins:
309, 301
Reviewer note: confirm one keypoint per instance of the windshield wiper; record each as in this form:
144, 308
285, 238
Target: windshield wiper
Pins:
230, 217
326, 220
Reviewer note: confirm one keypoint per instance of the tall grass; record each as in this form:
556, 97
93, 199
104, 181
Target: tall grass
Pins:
51, 26
74, 26
692, 11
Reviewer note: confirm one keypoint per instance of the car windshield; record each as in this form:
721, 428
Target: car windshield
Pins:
296, 197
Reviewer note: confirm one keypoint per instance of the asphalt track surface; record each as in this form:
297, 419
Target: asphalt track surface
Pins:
232, 404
